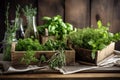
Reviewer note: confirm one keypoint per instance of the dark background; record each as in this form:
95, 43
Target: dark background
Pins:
80, 13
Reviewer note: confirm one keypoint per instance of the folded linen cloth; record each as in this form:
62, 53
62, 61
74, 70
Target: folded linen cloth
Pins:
74, 69
29, 68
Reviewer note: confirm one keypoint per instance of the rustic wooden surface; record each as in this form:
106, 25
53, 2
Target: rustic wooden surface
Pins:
44, 39
109, 73
101, 10
77, 12
50, 8
58, 75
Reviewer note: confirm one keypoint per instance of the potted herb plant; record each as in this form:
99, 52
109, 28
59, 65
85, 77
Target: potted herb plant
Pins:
54, 26
92, 45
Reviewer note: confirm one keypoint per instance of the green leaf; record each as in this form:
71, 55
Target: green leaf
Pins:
69, 26
93, 54
46, 18
108, 24
101, 46
99, 24
29, 57
43, 58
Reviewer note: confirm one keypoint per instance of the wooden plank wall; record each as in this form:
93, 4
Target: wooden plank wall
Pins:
50, 8
107, 11
77, 12
80, 13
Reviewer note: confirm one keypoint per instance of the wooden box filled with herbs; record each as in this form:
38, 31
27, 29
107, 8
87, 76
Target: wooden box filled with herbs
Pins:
93, 45
49, 48
54, 53
28, 48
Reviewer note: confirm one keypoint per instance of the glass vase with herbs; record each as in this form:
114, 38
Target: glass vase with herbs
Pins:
10, 33
30, 13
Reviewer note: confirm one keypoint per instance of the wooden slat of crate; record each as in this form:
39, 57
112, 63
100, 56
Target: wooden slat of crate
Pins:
105, 52
84, 55
44, 39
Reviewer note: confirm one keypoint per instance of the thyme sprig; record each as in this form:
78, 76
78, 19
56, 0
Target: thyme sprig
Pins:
29, 11
58, 59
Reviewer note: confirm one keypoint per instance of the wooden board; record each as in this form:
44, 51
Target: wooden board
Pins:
101, 10
50, 8
50, 76
77, 12
44, 39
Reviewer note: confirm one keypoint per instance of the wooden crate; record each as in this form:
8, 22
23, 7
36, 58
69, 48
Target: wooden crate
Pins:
84, 55
17, 55
44, 39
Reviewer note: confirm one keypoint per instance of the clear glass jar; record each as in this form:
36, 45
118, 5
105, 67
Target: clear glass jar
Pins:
31, 27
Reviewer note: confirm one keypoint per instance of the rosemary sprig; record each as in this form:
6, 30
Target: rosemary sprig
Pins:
29, 11
58, 59
9, 34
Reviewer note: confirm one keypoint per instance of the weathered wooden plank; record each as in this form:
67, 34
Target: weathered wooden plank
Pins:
77, 12
50, 8
101, 10
61, 76
116, 20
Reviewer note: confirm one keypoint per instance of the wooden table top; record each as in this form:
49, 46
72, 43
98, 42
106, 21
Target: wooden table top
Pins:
59, 75
112, 72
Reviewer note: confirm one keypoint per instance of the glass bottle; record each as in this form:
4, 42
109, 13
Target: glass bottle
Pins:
22, 34
31, 27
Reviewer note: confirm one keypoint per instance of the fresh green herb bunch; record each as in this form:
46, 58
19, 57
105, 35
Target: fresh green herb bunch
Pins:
10, 30
29, 11
28, 44
93, 39
33, 44
58, 59
30, 14
56, 27
55, 45
29, 57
